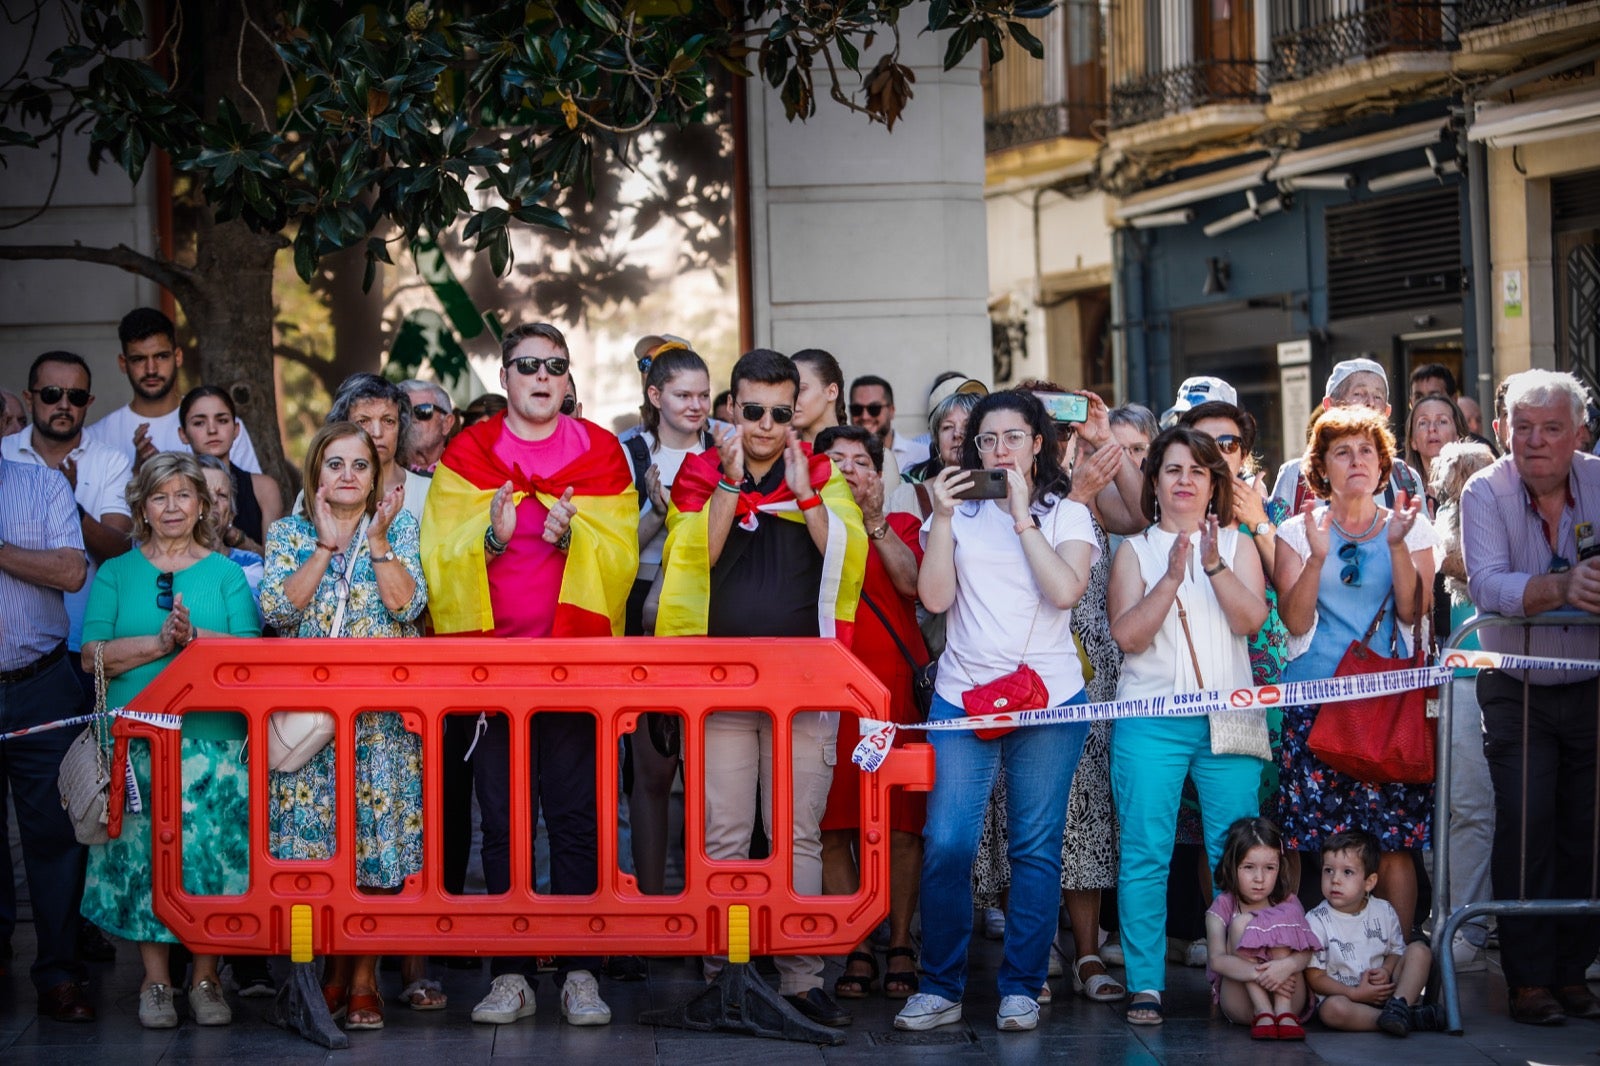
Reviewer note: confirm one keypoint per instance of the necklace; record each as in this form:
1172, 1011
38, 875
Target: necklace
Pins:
1364, 534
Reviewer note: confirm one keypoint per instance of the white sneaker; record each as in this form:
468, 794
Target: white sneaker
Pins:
1196, 954
994, 923
924, 1010
1017, 1014
1469, 957
509, 998
580, 1000
155, 1008
1111, 953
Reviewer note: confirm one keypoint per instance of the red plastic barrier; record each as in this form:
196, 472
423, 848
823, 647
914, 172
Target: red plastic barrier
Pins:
425, 679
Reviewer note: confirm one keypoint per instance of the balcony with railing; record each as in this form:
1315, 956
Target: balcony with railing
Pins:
1173, 58
1477, 13
1027, 101
1310, 37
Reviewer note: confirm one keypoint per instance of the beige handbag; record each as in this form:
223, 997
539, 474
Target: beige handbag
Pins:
295, 737
85, 776
1232, 732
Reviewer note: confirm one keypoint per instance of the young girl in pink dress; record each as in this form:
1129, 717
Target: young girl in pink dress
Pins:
1257, 936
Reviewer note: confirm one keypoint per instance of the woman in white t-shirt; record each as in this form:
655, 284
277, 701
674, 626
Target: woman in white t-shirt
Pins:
677, 406
1186, 595
1009, 572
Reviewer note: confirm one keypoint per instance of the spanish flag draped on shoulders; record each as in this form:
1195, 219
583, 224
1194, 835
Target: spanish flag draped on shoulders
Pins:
686, 560
602, 558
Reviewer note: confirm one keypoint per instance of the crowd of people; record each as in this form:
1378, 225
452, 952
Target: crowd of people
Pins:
1033, 541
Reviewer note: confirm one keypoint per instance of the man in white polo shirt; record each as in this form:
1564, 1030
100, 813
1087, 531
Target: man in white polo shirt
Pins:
58, 399
148, 424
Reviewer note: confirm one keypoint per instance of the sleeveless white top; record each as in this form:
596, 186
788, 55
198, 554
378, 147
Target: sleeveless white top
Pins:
1165, 666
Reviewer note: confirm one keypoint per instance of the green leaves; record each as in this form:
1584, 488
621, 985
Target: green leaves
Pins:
368, 117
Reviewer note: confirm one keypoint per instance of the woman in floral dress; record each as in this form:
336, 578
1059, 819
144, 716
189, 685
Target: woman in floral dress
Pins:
348, 541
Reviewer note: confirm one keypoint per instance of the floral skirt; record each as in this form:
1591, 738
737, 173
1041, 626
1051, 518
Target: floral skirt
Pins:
388, 804
216, 841
1315, 801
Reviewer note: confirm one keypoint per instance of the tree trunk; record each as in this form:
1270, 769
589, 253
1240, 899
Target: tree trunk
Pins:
232, 322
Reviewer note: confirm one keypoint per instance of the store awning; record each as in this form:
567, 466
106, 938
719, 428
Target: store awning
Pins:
1543, 119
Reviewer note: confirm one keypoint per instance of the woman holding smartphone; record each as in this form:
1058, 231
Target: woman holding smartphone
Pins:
1009, 571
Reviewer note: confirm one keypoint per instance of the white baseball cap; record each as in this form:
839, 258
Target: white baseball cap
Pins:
1198, 390
1342, 371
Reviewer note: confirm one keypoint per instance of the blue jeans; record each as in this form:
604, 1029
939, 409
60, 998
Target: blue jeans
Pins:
1150, 757
1038, 762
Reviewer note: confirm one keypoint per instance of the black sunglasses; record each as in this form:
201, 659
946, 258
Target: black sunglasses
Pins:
1350, 555
873, 409
754, 412
51, 395
424, 412
164, 591
530, 365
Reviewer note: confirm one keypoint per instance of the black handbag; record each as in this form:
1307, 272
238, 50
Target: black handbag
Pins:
923, 675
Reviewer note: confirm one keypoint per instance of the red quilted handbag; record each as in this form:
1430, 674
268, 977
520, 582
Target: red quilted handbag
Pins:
1378, 739
1020, 690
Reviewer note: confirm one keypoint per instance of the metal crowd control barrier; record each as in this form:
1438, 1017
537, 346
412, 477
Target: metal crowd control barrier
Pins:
1444, 937
733, 908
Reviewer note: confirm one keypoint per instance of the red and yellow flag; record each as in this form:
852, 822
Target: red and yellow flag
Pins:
686, 560
602, 560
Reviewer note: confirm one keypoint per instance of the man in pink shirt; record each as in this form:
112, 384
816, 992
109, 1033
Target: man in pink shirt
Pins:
528, 513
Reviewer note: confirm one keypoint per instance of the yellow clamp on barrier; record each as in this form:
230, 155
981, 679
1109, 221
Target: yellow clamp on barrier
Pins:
300, 933
738, 933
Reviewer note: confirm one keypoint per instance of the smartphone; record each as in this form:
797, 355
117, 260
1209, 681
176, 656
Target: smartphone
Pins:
1065, 406
986, 485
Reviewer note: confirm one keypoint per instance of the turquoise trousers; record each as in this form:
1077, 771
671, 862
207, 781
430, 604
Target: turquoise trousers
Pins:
1150, 757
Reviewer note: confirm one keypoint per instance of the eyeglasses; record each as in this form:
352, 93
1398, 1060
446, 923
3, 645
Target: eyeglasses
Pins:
530, 365
1350, 555
1014, 438
872, 409
51, 395
1559, 564
1228, 444
754, 412
164, 591
424, 412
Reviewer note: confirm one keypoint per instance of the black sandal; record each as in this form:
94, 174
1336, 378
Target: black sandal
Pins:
907, 980
856, 986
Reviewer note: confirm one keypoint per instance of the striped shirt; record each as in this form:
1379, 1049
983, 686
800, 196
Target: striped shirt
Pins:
36, 512
1504, 545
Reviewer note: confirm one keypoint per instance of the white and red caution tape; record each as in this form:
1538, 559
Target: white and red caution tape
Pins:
878, 737
162, 721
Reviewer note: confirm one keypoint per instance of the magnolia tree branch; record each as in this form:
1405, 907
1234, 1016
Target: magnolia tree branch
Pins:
184, 283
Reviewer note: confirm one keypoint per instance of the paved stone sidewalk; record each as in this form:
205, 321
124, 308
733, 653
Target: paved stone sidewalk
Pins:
1071, 1030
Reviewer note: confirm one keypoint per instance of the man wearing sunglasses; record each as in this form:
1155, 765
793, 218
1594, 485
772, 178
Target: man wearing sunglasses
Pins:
872, 408
531, 530
58, 401
1528, 542
432, 419
764, 539
148, 424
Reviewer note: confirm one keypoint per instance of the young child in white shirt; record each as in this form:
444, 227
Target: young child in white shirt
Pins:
1365, 975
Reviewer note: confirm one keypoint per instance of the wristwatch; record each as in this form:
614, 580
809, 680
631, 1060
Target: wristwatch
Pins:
879, 533
1213, 571
1263, 527
386, 557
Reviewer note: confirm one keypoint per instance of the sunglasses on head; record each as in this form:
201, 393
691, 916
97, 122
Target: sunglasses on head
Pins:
424, 412
1228, 444
51, 395
1559, 564
754, 412
1350, 574
164, 591
530, 365
873, 409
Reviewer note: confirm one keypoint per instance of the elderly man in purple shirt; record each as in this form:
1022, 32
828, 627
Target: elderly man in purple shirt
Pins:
1529, 543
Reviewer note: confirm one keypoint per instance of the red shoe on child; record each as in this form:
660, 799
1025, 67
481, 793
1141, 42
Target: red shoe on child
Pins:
1265, 1027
